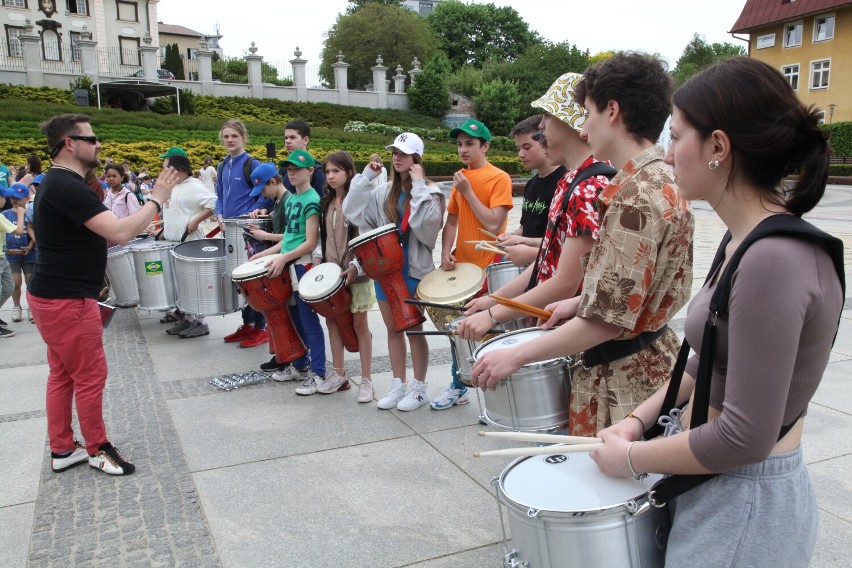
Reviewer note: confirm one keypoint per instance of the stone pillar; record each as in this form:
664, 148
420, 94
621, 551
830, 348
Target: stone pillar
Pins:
299, 77
31, 47
379, 84
205, 69
89, 56
255, 77
415, 70
341, 79
399, 80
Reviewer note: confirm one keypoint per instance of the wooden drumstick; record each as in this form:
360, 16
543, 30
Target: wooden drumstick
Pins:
487, 233
544, 438
539, 450
522, 307
489, 248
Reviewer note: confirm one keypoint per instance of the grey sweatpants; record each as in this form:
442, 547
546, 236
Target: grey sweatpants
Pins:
763, 514
7, 285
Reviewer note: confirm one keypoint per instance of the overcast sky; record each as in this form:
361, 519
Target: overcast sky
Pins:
655, 26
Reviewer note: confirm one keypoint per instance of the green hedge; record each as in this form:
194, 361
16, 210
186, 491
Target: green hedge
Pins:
841, 138
840, 170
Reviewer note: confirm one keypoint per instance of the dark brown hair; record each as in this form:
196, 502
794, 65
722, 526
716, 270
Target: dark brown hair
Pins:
397, 185
528, 125
60, 127
344, 161
119, 169
772, 133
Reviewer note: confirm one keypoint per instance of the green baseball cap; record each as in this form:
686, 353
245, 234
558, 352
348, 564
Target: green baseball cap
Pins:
173, 151
473, 128
300, 159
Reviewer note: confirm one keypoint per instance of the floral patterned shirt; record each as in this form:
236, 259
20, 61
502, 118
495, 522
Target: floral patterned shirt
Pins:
580, 217
639, 274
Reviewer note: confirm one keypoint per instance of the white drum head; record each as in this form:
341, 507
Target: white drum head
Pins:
371, 234
451, 286
320, 281
568, 483
512, 339
252, 268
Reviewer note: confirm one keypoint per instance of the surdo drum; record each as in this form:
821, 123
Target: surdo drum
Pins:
155, 274
271, 296
499, 274
381, 257
235, 248
123, 290
202, 284
323, 288
564, 512
534, 398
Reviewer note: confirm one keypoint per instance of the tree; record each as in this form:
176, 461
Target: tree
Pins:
397, 34
429, 94
465, 81
476, 33
698, 55
355, 5
536, 69
173, 62
497, 106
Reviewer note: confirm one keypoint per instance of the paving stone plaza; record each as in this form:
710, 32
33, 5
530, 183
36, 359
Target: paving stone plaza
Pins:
261, 477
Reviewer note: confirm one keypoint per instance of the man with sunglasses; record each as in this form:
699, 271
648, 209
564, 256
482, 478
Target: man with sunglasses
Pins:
72, 228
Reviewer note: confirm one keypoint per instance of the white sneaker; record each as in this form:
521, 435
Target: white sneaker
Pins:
333, 383
395, 394
365, 391
415, 397
16, 313
450, 397
291, 373
310, 385
76, 457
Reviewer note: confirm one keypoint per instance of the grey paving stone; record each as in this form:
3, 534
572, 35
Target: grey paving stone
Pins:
17, 522
23, 439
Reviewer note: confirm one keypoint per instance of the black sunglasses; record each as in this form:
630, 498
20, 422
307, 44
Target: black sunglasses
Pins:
90, 139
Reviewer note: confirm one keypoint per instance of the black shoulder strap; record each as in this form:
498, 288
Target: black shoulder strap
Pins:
248, 168
594, 170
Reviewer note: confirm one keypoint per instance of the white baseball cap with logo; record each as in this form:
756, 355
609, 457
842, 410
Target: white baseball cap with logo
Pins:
407, 143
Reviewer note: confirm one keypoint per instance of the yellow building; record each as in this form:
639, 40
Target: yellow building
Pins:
810, 41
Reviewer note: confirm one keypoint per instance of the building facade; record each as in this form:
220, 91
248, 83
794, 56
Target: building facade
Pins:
810, 42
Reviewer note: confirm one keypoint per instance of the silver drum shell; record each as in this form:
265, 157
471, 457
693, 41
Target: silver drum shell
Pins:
121, 272
157, 290
202, 285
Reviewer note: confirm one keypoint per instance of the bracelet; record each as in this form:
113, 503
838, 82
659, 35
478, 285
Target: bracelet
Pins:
642, 422
494, 321
158, 204
629, 464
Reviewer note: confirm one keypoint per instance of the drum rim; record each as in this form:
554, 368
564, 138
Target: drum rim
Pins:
221, 245
340, 281
377, 232
564, 359
253, 275
615, 508
151, 245
457, 299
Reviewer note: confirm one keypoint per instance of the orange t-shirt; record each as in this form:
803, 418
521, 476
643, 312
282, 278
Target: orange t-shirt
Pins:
493, 187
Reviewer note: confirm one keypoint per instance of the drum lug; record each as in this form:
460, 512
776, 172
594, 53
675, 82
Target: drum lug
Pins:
631, 507
494, 480
511, 561
533, 513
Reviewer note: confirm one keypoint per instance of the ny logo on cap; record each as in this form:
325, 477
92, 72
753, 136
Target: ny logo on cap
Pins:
402, 137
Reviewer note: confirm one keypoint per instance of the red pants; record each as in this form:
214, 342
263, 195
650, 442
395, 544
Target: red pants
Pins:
73, 332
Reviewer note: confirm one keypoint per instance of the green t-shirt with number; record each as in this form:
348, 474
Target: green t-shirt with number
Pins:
297, 209
5, 176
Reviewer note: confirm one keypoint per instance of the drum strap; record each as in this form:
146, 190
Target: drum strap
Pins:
594, 170
615, 349
788, 225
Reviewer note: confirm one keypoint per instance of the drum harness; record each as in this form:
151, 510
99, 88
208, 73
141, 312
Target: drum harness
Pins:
788, 225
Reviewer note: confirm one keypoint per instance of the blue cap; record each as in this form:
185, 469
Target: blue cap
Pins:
37, 179
17, 190
261, 175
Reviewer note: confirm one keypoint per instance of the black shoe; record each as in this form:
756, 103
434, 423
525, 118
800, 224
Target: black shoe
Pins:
3, 323
179, 327
272, 365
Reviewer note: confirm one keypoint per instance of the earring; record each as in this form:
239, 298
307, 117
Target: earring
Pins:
713, 164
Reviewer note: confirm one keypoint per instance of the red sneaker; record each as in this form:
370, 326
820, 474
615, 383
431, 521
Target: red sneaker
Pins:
243, 332
258, 337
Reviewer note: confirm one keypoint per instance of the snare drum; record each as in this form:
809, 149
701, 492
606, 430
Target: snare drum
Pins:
323, 289
534, 398
235, 250
200, 277
270, 296
381, 257
499, 274
464, 349
564, 512
121, 273
450, 287
155, 274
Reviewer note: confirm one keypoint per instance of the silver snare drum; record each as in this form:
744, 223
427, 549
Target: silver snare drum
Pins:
155, 271
121, 273
202, 285
463, 350
235, 251
564, 512
500, 274
536, 397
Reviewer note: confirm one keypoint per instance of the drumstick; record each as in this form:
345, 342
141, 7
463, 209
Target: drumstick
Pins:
522, 307
489, 248
487, 233
429, 332
544, 438
492, 243
539, 450
157, 222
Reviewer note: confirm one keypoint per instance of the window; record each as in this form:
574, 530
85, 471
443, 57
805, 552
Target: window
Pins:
79, 7
823, 28
820, 71
75, 48
793, 35
792, 74
12, 41
127, 11
129, 47
191, 54
15, 3
821, 115
50, 46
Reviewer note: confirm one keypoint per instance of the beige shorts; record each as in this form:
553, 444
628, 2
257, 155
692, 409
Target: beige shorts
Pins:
363, 296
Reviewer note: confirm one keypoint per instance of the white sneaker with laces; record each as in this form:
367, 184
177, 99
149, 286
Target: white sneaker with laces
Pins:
16, 313
333, 383
76, 457
291, 373
395, 394
415, 397
450, 397
310, 385
365, 391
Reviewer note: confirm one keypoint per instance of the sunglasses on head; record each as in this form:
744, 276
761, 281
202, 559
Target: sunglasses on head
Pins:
90, 139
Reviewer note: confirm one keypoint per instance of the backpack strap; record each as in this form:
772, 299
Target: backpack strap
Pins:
594, 170
248, 167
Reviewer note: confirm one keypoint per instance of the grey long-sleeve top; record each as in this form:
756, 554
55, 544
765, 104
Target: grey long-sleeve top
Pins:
365, 206
783, 312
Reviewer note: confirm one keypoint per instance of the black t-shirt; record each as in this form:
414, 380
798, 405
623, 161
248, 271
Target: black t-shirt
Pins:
317, 179
71, 258
537, 197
